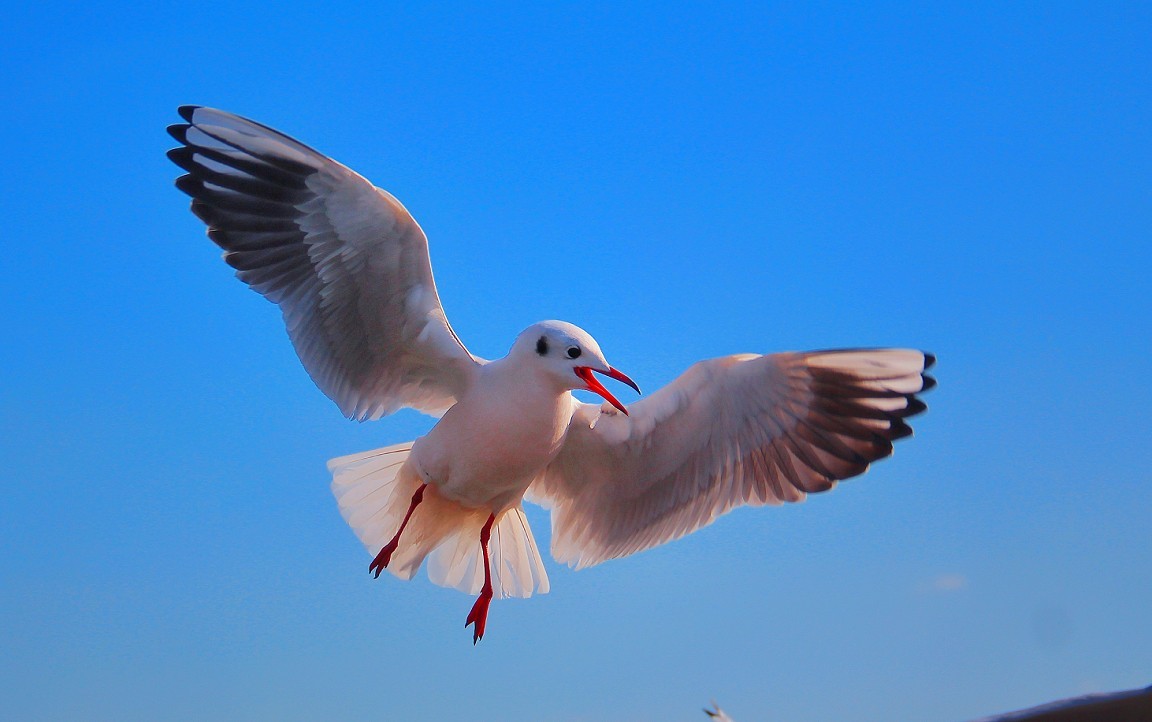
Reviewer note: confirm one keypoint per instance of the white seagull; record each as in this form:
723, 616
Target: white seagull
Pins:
348, 266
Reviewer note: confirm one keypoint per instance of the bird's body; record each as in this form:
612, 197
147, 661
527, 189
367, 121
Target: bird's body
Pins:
498, 437
349, 268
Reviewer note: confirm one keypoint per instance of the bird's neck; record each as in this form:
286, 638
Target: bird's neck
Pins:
528, 406
525, 384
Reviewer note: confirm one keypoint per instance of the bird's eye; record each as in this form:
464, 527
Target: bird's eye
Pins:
573, 352
541, 346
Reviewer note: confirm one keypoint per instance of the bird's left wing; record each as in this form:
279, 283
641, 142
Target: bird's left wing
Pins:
346, 263
736, 430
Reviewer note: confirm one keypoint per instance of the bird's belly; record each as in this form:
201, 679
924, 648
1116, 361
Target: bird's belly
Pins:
488, 464
484, 481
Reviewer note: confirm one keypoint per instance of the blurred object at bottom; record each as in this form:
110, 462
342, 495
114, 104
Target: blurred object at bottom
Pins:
1133, 705
717, 714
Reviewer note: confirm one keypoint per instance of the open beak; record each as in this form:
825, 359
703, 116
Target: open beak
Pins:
594, 385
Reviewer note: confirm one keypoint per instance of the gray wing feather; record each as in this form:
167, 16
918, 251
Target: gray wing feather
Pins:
345, 262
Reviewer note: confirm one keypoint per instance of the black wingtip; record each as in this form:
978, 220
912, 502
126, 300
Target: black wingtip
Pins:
186, 111
180, 183
929, 384
899, 429
201, 210
929, 360
179, 131
182, 157
189, 184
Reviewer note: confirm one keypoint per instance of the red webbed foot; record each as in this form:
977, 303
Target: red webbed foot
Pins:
479, 615
380, 563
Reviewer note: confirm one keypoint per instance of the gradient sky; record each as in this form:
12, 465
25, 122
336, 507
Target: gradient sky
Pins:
683, 181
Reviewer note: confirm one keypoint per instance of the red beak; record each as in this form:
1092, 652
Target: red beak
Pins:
594, 385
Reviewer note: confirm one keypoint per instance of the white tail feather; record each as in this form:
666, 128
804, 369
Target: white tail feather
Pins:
515, 563
374, 491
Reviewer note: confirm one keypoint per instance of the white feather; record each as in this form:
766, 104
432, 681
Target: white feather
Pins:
737, 430
374, 490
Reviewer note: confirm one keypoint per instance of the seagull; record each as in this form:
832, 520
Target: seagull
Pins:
349, 268
717, 714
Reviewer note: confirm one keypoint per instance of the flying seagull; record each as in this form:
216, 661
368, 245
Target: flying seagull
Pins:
349, 268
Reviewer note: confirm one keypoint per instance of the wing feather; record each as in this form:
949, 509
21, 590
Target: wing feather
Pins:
731, 431
344, 260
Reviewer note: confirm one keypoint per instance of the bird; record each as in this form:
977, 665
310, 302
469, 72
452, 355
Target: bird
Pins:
349, 268
717, 714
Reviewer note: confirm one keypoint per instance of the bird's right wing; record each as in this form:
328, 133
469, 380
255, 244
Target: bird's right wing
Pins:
345, 262
736, 430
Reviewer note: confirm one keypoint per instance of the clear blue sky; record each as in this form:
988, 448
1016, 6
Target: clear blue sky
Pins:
682, 181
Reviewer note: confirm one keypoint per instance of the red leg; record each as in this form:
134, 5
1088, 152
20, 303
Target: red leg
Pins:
381, 561
479, 613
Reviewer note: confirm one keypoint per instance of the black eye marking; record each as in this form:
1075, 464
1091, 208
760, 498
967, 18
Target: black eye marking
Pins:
573, 352
541, 346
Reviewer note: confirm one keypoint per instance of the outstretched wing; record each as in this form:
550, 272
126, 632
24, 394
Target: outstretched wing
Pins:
730, 431
345, 262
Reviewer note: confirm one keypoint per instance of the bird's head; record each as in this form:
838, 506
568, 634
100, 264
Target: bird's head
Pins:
569, 356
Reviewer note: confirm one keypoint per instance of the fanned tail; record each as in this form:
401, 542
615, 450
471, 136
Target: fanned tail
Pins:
517, 569
374, 491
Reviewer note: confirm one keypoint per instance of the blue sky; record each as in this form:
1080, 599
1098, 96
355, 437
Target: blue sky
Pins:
683, 181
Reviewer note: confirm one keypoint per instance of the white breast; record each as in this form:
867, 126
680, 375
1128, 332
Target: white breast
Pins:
488, 448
